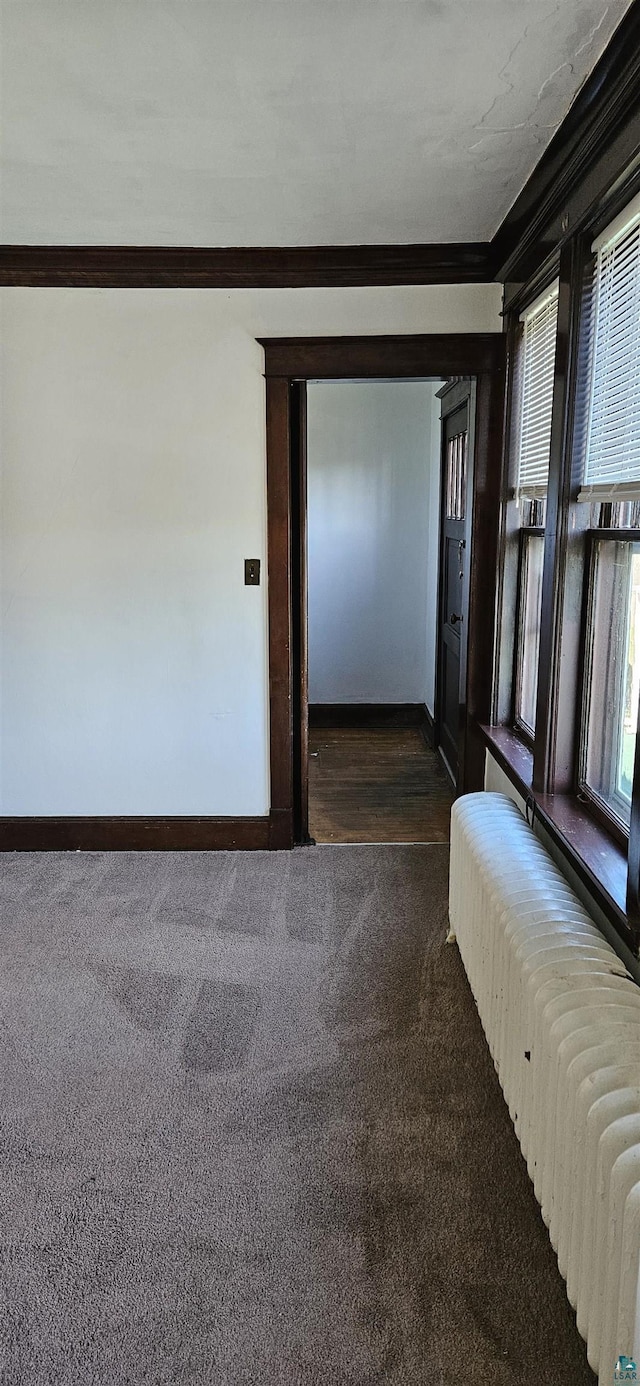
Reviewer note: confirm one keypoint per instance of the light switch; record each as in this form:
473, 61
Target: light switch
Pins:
252, 572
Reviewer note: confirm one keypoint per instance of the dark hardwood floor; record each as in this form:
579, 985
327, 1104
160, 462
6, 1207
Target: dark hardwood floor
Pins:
376, 785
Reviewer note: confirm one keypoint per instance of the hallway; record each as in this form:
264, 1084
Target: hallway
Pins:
254, 1134
376, 784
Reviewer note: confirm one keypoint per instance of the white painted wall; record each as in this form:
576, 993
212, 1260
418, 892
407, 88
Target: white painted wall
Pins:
133, 669
370, 522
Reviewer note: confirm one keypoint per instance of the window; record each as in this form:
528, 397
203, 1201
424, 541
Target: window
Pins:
577, 762
612, 469
533, 401
613, 681
612, 487
528, 651
456, 477
534, 393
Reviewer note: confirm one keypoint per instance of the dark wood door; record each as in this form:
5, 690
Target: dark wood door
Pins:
454, 556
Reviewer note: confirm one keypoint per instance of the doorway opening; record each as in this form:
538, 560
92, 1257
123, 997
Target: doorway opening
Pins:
464, 362
373, 534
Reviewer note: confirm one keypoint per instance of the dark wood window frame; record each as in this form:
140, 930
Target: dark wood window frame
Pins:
597, 808
289, 362
546, 771
526, 532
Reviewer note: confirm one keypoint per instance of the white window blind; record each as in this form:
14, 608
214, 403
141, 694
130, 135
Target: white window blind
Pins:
534, 393
612, 454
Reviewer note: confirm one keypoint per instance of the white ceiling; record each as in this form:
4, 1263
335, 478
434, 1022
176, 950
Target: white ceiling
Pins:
282, 122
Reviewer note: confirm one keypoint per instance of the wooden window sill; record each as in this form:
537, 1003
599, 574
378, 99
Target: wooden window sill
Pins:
597, 859
513, 756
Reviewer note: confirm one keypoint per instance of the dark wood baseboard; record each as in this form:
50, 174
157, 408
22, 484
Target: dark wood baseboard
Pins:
372, 715
428, 727
134, 834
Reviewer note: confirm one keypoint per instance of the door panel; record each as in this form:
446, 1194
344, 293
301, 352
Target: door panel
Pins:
450, 704
453, 559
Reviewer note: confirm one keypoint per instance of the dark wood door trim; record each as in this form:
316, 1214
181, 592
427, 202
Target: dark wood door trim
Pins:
438, 354
431, 356
279, 502
459, 395
299, 605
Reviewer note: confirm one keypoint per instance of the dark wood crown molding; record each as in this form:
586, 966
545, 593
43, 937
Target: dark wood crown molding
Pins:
251, 267
597, 144
596, 148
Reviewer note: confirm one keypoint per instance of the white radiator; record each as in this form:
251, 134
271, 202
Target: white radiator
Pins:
562, 1020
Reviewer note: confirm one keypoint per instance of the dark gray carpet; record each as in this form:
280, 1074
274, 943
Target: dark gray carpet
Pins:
251, 1133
